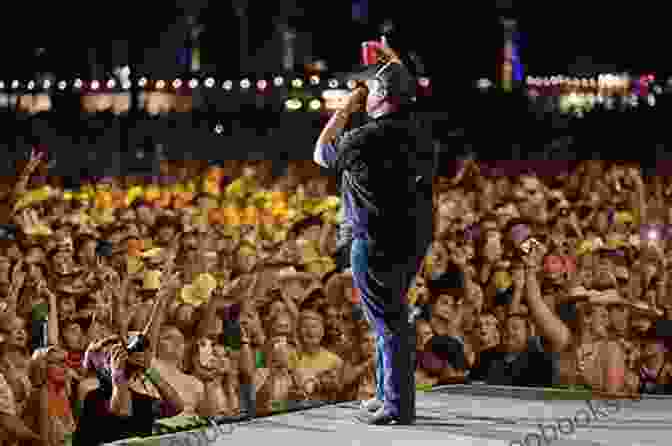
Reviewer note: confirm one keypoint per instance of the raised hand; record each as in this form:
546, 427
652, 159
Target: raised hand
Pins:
36, 157
535, 255
356, 99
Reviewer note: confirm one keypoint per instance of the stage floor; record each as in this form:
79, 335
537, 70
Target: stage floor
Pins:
458, 415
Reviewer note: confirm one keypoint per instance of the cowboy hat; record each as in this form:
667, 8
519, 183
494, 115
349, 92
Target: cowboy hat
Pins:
290, 274
200, 291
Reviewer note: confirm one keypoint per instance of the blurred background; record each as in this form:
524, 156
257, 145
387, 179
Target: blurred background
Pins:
156, 77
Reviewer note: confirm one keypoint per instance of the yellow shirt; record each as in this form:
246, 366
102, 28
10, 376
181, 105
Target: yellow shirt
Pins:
315, 364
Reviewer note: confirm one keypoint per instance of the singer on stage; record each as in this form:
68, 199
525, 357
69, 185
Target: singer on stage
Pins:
385, 173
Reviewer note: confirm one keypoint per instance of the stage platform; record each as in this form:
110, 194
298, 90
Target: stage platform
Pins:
457, 415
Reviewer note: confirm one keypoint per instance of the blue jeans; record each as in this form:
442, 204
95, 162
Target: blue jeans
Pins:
382, 280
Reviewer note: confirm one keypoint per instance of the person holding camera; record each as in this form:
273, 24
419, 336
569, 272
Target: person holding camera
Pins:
129, 405
384, 188
131, 395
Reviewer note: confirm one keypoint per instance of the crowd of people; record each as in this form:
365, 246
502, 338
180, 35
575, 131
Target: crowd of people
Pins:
217, 289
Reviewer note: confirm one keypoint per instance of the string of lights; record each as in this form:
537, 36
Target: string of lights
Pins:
178, 84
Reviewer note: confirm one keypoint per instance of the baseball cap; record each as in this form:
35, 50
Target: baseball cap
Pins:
395, 79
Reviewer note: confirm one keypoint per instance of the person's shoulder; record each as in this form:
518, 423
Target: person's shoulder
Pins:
195, 383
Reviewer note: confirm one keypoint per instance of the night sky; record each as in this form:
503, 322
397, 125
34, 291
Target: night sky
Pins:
459, 43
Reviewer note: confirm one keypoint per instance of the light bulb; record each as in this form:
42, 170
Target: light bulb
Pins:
177, 83
62, 85
315, 104
278, 81
245, 83
227, 85
160, 84
209, 82
111, 83
95, 85
142, 82
333, 83
78, 83
193, 83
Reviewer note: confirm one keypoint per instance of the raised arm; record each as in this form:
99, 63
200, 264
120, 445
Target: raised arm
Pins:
18, 279
550, 325
119, 299
53, 328
167, 291
335, 125
22, 184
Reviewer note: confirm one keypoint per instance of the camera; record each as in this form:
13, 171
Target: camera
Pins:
137, 344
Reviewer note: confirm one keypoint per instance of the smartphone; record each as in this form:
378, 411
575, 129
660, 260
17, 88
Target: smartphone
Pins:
371, 52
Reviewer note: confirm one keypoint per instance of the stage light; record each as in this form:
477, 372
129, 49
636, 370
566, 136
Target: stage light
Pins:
424, 82
352, 84
160, 85
126, 85
262, 84
315, 104
651, 99
142, 82
293, 104
333, 83
2, 85
219, 128
111, 83
297, 83
209, 82
227, 85
78, 83
245, 84
62, 85
95, 85
193, 83
177, 83
278, 81
31, 85
315, 80
484, 84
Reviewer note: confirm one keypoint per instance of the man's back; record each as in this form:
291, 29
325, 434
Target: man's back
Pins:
384, 169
